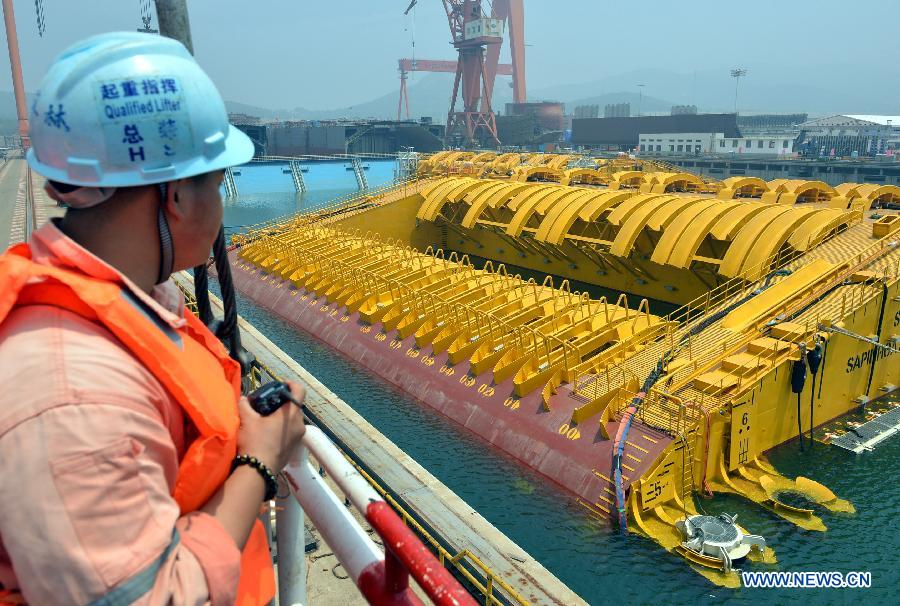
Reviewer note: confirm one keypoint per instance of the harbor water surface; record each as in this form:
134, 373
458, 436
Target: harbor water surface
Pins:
592, 557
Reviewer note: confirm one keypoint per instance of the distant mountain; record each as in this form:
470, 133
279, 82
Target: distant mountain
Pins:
821, 90
429, 96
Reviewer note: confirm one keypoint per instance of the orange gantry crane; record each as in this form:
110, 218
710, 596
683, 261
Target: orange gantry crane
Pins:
477, 38
432, 66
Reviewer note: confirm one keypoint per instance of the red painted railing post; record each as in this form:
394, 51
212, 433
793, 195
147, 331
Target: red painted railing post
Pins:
383, 579
396, 578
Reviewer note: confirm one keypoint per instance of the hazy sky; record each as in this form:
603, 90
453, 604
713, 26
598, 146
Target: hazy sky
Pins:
334, 53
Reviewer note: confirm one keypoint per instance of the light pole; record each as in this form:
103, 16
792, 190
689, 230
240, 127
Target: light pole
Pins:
737, 73
640, 97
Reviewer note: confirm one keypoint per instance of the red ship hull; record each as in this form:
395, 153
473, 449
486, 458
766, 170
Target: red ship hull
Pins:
578, 459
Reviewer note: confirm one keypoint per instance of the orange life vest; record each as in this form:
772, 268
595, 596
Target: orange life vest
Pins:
189, 362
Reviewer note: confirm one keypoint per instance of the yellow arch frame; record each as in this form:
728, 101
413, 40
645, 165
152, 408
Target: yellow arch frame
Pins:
689, 237
665, 216
667, 182
434, 185
776, 188
732, 187
624, 210
732, 222
682, 237
484, 157
534, 205
648, 180
812, 231
627, 237
560, 161
589, 176
504, 162
588, 206
491, 196
848, 193
454, 156
435, 201
628, 179
796, 189
761, 237
603, 201
873, 193
523, 173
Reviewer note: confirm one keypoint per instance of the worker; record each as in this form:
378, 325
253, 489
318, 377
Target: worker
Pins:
132, 470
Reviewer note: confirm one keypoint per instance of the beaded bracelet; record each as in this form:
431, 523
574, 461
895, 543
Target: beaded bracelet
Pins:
266, 473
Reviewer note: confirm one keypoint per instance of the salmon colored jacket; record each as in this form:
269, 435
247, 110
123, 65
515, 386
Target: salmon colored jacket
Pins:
118, 421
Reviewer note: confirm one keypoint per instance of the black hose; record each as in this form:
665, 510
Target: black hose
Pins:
227, 329
884, 296
798, 381
201, 294
813, 360
822, 380
812, 398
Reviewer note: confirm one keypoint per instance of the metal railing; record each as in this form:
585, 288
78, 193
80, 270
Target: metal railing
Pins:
31, 218
681, 322
326, 157
494, 590
382, 577
661, 410
336, 205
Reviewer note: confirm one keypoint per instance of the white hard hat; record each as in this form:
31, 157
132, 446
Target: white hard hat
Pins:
125, 109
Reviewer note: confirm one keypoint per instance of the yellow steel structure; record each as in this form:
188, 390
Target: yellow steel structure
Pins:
534, 333
627, 179
865, 196
586, 209
802, 192
674, 230
780, 267
662, 183
586, 176
776, 188
742, 187
537, 173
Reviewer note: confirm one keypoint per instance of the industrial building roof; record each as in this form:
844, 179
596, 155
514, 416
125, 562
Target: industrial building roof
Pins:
627, 131
854, 119
883, 120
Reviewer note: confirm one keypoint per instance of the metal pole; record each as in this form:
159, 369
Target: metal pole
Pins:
291, 545
173, 21
737, 82
15, 63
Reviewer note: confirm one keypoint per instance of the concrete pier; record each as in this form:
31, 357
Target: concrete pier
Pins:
15, 217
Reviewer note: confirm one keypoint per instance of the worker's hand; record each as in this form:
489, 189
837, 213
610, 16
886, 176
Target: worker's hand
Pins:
274, 438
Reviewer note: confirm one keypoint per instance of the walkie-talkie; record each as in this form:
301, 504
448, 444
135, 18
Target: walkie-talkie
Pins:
270, 397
